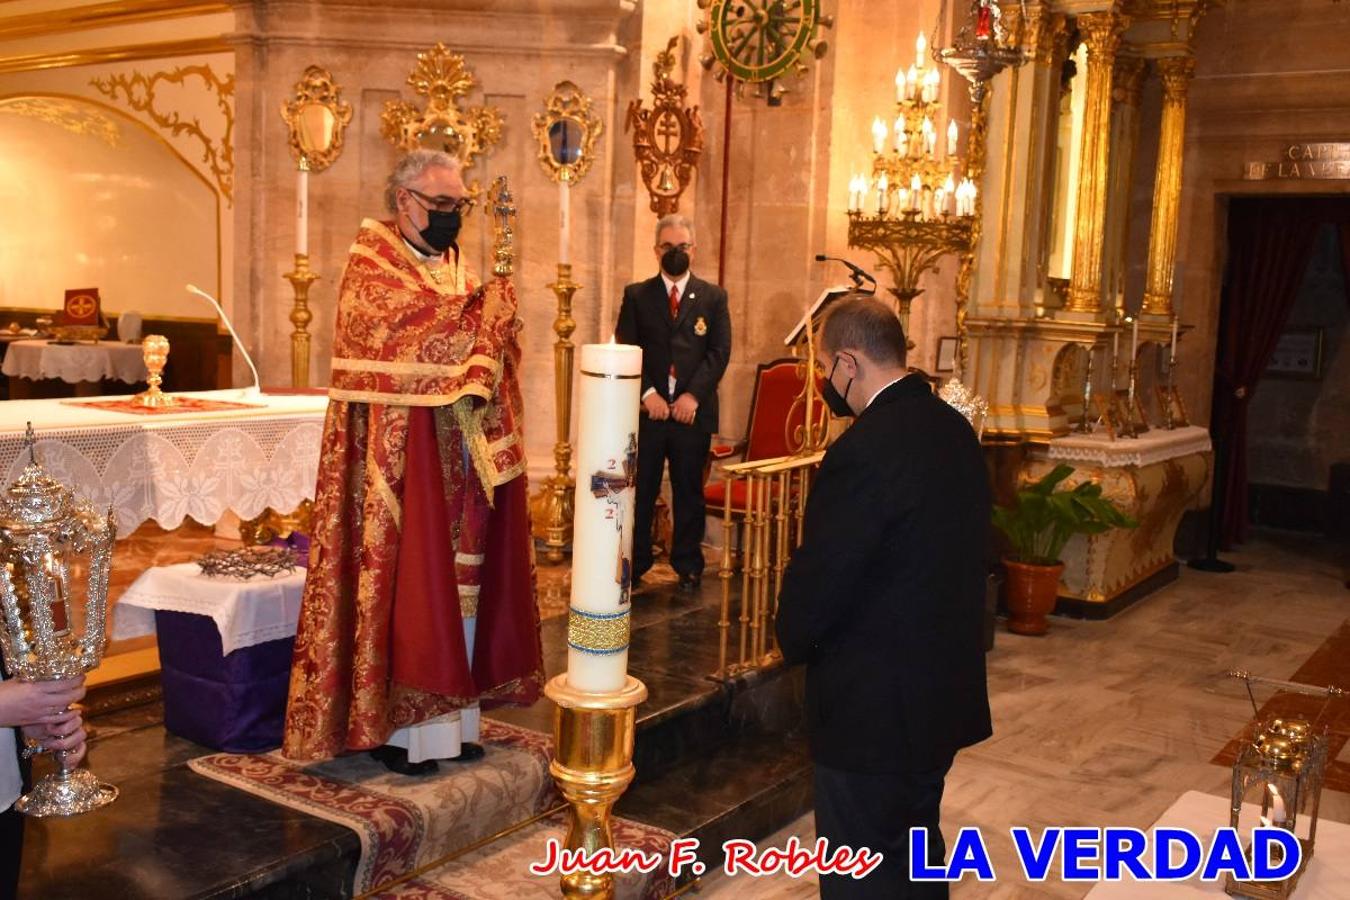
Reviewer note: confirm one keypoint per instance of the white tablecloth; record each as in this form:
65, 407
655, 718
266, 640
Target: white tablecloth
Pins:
1326, 878
76, 362
177, 465
246, 612
1153, 446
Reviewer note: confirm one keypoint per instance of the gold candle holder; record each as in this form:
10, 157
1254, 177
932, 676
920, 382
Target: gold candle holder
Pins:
155, 352
592, 765
553, 505
301, 278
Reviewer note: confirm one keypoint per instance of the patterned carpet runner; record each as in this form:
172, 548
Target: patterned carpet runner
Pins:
409, 824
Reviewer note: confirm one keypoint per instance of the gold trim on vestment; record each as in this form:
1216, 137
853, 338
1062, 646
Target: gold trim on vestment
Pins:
421, 369
459, 272
392, 399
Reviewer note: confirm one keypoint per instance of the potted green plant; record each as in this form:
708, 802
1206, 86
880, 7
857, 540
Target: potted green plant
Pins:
1038, 526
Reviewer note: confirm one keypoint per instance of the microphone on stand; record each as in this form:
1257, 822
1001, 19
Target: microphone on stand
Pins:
257, 384
858, 273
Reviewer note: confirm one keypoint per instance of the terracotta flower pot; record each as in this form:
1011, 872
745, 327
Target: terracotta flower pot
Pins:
1030, 593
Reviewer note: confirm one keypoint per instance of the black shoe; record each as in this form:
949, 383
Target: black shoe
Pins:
468, 752
690, 582
395, 759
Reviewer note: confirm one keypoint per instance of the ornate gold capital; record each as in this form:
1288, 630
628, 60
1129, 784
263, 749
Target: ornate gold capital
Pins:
1101, 32
1176, 72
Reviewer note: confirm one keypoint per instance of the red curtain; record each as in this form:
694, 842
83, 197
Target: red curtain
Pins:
1270, 242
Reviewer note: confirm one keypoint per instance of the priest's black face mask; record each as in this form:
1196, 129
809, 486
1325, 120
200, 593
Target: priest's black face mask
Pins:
837, 402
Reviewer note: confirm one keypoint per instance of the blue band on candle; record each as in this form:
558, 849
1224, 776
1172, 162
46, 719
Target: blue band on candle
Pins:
600, 634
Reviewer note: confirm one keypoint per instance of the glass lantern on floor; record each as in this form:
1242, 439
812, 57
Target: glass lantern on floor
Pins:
1280, 768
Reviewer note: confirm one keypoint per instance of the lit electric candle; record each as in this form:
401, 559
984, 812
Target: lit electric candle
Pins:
878, 135
900, 85
302, 211
915, 192
949, 193
951, 138
882, 185
921, 49
912, 84
564, 221
901, 139
602, 530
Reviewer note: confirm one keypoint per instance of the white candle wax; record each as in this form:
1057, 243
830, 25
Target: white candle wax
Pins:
878, 135
951, 138
302, 212
1277, 809
602, 532
565, 222
1134, 340
1172, 354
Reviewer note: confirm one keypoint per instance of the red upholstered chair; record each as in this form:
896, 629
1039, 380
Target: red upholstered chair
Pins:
767, 432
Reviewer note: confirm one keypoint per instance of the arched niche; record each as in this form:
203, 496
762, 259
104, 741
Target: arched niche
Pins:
90, 197
1066, 380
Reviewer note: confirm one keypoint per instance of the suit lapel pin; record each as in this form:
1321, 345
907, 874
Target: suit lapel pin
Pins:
700, 326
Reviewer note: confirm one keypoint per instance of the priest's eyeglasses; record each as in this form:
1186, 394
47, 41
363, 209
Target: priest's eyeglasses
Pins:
460, 205
667, 246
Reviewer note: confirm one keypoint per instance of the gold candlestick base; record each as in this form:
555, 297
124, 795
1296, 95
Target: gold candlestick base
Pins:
155, 352
593, 765
301, 278
551, 511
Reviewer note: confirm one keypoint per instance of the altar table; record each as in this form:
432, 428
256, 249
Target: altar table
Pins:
172, 466
73, 363
1155, 478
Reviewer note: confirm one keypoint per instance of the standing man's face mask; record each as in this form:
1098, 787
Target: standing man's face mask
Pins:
675, 262
837, 402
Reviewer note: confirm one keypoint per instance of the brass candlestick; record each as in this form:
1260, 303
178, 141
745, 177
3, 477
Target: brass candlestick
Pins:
301, 278
155, 352
553, 504
593, 765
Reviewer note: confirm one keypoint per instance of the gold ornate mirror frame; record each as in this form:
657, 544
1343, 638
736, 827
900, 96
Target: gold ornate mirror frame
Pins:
442, 78
566, 131
316, 118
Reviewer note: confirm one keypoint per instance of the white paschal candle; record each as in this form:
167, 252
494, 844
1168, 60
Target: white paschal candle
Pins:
602, 530
564, 221
302, 211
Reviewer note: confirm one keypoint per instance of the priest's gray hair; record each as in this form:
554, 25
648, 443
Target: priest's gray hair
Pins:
674, 220
860, 321
412, 167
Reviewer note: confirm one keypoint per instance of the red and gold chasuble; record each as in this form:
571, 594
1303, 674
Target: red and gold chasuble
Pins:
421, 485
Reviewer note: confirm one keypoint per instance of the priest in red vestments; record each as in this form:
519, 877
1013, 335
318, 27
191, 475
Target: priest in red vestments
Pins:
419, 602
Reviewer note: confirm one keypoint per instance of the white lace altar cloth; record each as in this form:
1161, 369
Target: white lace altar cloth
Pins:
1153, 446
246, 611
169, 467
74, 363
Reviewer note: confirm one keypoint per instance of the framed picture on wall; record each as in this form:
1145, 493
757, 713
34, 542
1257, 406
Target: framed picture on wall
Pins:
1297, 355
946, 354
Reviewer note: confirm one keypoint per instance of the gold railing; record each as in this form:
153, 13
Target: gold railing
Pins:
770, 528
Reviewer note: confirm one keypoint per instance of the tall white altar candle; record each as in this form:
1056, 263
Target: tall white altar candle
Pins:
602, 529
564, 222
1134, 341
302, 211
1172, 354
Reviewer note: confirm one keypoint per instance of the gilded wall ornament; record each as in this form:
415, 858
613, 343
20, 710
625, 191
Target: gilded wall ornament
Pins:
566, 132
761, 41
668, 138
316, 117
442, 78
137, 91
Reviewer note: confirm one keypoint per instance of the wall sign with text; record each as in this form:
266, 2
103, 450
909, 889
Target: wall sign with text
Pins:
1303, 161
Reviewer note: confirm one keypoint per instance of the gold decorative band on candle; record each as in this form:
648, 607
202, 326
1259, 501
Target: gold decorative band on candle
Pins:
604, 375
598, 633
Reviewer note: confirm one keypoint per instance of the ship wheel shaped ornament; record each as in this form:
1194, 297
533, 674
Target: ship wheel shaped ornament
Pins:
761, 42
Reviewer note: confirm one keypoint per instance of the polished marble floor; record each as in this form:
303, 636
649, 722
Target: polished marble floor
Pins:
1108, 723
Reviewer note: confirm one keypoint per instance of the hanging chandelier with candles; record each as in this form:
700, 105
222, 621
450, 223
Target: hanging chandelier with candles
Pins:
918, 205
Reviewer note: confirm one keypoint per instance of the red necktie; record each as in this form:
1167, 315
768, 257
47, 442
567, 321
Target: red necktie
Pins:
674, 312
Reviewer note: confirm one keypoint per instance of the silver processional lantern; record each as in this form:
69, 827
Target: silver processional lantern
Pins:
54, 620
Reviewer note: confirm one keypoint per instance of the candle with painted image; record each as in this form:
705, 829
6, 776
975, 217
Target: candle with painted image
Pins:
602, 542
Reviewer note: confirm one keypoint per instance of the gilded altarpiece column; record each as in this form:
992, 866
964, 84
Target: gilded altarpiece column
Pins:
1162, 240
1129, 80
1101, 31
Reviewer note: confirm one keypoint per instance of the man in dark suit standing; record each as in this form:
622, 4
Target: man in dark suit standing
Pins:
884, 599
682, 325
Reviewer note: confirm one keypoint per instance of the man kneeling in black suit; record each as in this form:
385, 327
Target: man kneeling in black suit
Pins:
884, 602
682, 325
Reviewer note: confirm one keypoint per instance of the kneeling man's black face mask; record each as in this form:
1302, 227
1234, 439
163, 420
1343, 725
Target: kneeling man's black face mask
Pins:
833, 399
